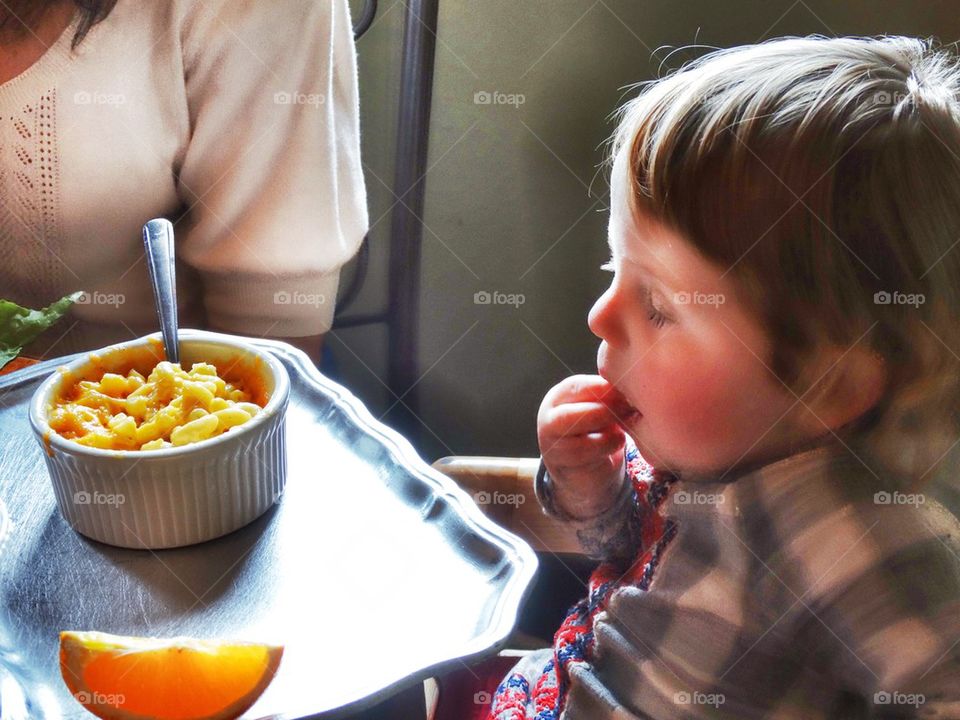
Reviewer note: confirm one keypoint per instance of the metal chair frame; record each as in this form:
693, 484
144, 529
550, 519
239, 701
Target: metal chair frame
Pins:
401, 315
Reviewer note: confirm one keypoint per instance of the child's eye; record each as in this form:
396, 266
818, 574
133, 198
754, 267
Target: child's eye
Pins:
654, 313
657, 318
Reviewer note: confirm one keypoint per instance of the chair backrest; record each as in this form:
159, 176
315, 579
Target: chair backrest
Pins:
503, 490
406, 225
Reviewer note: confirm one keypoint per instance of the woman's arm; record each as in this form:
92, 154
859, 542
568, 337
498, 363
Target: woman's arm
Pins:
272, 172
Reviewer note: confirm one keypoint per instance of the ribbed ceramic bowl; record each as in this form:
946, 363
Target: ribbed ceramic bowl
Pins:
174, 496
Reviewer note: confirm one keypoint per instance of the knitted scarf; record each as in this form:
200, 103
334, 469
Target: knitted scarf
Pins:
574, 642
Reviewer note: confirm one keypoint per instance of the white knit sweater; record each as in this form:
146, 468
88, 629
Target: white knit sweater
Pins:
238, 119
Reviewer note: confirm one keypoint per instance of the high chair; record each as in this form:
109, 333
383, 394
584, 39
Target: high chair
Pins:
503, 490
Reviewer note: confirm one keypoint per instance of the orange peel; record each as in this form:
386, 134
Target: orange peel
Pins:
132, 678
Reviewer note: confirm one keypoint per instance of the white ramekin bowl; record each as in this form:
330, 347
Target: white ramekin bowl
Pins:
174, 496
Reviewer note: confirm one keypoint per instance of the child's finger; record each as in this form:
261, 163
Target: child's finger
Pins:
587, 388
576, 388
609, 395
580, 418
577, 451
586, 474
594, 441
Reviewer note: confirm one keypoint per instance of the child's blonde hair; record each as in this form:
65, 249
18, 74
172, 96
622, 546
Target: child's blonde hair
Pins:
824, 175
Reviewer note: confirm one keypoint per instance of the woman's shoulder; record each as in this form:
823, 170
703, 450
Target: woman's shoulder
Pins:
191, 17
291, 13
261, 30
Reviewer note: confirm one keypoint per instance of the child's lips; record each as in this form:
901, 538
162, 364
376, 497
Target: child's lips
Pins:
623, 411
628, 418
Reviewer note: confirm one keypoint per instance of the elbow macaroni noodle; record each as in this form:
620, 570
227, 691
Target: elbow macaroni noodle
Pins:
170, 408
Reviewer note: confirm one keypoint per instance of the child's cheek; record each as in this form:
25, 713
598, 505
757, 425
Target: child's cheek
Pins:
692, 411
693, 399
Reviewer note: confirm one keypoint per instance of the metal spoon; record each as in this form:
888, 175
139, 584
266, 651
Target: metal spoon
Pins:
158, 246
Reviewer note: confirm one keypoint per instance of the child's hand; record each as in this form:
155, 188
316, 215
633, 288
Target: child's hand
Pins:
582, 443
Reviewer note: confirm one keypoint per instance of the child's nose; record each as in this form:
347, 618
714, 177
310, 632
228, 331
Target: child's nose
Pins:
602, 318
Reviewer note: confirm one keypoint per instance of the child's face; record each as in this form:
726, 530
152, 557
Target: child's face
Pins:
685, 354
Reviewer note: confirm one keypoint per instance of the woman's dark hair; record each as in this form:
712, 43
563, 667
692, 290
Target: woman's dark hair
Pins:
91, 12
24, 15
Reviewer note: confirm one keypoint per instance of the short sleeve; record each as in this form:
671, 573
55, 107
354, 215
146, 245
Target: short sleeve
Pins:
271, 177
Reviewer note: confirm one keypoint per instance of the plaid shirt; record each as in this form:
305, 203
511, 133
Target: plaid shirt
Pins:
803, 589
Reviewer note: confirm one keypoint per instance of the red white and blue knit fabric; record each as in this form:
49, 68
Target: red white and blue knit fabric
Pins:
574, 641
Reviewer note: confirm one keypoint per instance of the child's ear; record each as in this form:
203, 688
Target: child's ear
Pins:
847, 382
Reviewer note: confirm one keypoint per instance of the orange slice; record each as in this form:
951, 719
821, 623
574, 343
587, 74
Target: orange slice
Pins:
131, 678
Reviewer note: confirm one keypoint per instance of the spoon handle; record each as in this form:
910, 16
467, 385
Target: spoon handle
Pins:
158, 246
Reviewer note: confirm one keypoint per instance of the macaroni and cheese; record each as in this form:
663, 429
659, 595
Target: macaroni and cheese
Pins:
168, 408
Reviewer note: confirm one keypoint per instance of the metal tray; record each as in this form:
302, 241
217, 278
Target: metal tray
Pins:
374, 570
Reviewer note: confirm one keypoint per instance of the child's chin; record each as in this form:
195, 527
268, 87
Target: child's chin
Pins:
646, 453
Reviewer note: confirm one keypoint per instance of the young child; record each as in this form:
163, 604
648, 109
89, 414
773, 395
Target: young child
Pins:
778, 382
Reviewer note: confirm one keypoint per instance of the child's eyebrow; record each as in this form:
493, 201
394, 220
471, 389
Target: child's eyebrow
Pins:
645, 269
651, 276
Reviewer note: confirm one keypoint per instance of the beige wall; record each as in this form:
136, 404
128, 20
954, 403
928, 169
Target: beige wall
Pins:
516, 202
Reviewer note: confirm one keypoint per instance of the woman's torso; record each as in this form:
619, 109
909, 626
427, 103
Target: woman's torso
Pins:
90, 142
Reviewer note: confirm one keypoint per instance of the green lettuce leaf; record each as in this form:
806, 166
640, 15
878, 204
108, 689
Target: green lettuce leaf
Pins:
20, 325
